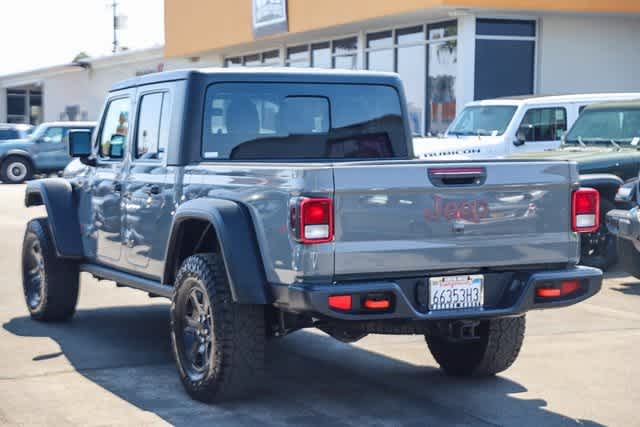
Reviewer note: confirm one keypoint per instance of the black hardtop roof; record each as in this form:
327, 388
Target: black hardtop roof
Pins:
615, 105
272, 74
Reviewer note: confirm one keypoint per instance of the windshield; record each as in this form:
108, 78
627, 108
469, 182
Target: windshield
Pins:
38, 131
482, 120
604, 126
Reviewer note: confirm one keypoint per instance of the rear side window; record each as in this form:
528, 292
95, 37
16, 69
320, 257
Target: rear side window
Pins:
153, 122
258, 121
9, 134
544, 124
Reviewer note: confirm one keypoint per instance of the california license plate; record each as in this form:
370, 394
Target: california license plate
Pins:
456, 292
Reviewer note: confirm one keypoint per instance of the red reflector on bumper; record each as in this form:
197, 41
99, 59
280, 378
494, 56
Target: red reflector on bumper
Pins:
377, 304
569, 287
566, 287
340, 302
548, 292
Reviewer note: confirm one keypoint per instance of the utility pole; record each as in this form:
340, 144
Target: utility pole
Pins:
114, 5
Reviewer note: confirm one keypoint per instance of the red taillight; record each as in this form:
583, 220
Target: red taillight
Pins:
565, 288
548, 292
340, 302
314, 220
377, 304
585, 210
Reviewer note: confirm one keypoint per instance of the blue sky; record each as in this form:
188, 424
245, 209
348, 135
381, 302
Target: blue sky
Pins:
40, 33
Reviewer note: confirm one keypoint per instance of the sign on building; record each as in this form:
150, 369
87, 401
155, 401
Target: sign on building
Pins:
269, 17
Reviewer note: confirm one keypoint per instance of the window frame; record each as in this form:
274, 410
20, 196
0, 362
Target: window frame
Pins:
557, 107
134, 146
99, 158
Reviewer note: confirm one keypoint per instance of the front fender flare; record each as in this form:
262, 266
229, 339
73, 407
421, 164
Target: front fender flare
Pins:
234, 229
56, 194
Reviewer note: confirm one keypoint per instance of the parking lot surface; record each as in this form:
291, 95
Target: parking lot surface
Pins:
111, 365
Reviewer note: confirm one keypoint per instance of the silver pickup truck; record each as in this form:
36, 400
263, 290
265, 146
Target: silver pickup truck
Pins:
264, 202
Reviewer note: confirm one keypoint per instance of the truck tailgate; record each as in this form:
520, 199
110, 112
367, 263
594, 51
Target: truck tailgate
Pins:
418, 216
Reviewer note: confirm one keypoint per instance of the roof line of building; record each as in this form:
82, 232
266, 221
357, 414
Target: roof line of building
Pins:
118, 58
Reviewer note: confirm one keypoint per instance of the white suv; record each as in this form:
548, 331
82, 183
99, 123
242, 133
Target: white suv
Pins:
501, 127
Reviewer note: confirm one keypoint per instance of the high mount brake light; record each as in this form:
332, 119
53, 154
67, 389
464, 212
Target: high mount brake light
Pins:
585, 210
311, 219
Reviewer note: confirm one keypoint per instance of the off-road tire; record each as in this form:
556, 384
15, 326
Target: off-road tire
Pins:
58, 278
606, 255
495, 351
7, 177
236, 365
629, 257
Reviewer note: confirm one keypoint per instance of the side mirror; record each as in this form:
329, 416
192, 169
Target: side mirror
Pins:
525, 133
79, 143
116, 146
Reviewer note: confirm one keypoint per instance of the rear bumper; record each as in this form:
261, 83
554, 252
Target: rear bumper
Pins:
512, 294
624, 223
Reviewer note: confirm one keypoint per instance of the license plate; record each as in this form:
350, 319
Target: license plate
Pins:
456, 292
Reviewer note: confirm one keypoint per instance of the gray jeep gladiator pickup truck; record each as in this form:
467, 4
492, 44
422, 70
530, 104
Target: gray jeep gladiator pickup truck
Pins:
263, 202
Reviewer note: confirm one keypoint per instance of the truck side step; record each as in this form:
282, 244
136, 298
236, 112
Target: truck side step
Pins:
128, 279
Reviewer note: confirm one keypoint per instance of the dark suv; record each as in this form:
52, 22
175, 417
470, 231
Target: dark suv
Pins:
14, 131
604, 141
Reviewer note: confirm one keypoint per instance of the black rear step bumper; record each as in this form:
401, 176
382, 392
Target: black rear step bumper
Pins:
312, 299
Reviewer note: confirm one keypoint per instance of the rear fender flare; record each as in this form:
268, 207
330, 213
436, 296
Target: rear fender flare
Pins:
56, 194
606, 184
238, 245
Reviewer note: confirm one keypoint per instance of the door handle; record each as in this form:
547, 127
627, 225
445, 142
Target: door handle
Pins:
117, 187
153, 189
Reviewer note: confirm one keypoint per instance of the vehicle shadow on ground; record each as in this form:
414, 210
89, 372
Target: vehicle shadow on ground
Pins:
632, 288
312, 380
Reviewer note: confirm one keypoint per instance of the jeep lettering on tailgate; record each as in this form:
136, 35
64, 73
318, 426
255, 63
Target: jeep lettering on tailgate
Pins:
471, 210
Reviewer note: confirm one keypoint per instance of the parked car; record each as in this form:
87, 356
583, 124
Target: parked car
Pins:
604, 141
624, 223
262, 202
509, 126
14, 131
44, 151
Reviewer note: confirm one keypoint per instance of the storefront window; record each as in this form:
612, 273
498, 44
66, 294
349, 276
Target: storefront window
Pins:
505, 57
380, 51
233, 62
321, 55
345, 53
265, 59
252, 60
422, 71
271, 58
443, 57
298, 56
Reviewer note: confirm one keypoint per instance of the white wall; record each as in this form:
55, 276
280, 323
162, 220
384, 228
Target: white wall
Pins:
88, 88
62, 90
588, 54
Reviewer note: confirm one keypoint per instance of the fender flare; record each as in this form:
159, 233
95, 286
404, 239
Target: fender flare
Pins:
17, 152
606, 184
56, 194
235, 232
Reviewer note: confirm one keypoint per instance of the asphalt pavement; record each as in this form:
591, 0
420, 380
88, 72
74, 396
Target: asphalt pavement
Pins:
111, 365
